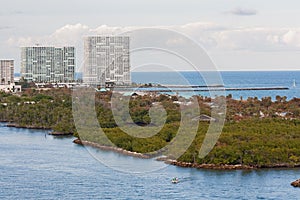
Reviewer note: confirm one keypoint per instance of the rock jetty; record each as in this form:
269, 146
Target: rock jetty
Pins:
111, 148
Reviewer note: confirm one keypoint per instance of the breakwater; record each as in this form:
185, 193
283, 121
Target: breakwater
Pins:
194, 88
111, 148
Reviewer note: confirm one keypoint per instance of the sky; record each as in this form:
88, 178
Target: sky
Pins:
236, 34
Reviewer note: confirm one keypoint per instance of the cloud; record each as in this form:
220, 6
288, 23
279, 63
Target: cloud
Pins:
243, 12
242, 45
175, 41
292, 37
17, 12
11, 13
5, 27
212, 37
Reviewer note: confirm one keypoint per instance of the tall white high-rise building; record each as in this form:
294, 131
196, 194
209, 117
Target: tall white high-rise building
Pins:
48, 64
106, 60
6, 72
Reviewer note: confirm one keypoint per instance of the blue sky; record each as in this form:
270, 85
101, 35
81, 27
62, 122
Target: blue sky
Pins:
237, 34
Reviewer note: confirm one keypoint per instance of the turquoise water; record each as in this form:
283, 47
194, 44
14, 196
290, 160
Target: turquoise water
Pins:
35, 166
231, 79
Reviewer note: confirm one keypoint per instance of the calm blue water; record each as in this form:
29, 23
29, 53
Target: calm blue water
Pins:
33, 166
231, 80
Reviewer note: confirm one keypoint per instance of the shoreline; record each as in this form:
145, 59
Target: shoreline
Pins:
185, 164
230, 167
111, 148
164, 159
26, 126
54, 133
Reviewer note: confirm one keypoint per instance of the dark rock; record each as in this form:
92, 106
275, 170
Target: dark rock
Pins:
296, 183
59, 134
78, 141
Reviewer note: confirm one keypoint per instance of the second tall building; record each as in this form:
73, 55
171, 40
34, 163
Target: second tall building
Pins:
106, 60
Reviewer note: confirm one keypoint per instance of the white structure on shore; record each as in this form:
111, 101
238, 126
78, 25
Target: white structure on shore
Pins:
48, 64
11, 88
106, 60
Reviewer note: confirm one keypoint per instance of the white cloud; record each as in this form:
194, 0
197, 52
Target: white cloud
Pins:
5, 27
210, 35
292, 37
213, 37
243, 11
175, 41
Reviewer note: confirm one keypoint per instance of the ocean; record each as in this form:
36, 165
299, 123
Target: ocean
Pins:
33, 166
231, 79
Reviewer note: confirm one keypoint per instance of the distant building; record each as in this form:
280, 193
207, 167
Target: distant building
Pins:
106, 60
6, 72
7, 83
48, 64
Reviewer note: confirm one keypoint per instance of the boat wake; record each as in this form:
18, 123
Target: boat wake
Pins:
186, 179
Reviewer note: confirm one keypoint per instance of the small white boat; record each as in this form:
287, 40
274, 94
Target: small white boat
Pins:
175, 180
294, 84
